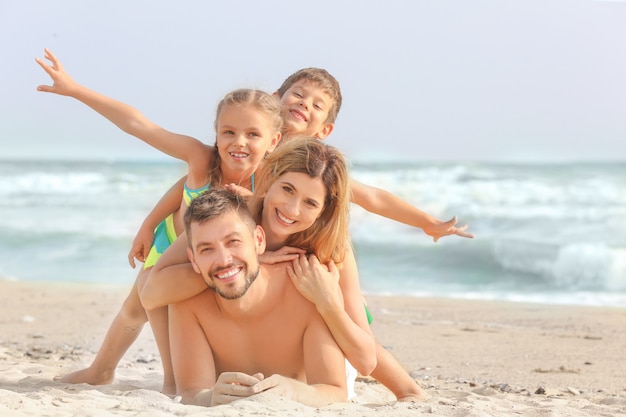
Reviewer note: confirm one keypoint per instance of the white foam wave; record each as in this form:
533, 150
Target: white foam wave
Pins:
500, 194
590, 265
593, 266
50, 183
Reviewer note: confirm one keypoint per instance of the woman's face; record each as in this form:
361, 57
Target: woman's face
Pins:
292, 204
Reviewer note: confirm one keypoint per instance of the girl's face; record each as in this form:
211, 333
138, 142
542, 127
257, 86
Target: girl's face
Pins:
244, 135
292, 204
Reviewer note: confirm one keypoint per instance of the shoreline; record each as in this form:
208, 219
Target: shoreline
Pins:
586, 299
484, 357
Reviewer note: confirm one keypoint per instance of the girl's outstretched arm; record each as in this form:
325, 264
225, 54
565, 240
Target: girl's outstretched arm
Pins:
386, 204
130, 120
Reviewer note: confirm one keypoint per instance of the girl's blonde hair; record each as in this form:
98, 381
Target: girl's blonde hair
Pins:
264, 102
328, 237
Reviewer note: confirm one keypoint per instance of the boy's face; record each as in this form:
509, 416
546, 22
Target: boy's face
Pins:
305, 108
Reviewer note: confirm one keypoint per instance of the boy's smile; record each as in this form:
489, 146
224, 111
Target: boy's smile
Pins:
298, 114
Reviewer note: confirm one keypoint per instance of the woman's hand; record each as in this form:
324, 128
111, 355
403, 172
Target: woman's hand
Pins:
284, 254
316, 282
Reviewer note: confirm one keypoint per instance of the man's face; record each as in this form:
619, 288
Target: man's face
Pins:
305, 108
225, 252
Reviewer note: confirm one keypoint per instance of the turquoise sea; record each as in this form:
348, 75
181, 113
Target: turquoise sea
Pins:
544, 233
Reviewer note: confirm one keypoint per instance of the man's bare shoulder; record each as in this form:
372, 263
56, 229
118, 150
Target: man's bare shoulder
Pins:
204, 300
282, 284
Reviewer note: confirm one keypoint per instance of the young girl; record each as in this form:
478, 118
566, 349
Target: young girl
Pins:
247, 126
302, 202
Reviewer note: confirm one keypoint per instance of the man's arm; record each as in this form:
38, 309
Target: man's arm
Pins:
325, 371
386, 204
172, 279
192, 357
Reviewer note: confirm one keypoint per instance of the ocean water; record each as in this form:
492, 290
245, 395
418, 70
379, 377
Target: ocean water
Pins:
543, 233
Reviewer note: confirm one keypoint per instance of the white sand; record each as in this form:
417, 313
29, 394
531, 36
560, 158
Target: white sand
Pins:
473, 358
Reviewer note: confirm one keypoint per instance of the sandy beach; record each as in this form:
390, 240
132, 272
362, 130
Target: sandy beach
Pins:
474, 358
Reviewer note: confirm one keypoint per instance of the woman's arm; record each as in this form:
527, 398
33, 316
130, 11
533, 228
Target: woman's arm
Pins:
337, 297
324, 368
386, 204
172, 279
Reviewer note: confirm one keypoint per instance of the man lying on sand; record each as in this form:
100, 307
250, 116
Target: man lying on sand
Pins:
252, 328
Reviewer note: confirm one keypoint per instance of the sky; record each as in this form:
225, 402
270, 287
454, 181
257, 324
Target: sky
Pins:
422, 80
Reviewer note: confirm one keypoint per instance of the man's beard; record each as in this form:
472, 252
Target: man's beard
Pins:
235, 295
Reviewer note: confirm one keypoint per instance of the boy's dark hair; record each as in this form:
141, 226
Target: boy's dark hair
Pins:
323, 79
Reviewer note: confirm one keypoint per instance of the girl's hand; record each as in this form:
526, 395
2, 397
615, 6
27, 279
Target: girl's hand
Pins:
242, 191
141, 246
63, 84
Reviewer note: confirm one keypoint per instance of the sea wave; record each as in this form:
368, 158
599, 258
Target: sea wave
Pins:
543, 232
576, 266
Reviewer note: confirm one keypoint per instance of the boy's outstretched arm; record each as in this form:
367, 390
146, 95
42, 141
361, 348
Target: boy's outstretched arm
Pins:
126, 117
169, 203
386, 204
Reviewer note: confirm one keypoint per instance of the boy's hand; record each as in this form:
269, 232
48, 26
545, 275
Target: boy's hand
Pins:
441, 229
141, 246
63, 84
